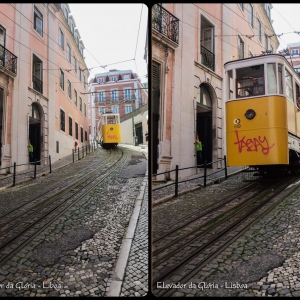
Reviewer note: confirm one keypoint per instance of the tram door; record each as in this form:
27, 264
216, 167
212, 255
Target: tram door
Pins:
35, 133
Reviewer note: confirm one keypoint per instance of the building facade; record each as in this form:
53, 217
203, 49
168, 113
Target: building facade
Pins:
117, 91
49, 68
190, 44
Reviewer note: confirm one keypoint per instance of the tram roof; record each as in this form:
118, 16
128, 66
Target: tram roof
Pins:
265, 58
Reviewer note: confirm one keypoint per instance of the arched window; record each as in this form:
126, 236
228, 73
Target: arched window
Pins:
35, 114
205, 99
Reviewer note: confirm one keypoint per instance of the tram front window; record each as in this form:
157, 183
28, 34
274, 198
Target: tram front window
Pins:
111, 120
250, 81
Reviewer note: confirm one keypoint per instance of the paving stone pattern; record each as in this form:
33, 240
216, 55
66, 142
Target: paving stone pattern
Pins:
76, 255
263, 262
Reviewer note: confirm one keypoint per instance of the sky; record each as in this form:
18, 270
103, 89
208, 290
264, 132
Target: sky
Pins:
114, 36
286, 21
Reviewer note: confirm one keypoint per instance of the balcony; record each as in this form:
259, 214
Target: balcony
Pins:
8, 61
165, 23
37, 84
208, 58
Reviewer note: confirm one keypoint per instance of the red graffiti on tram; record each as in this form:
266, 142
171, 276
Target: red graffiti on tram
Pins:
253, 144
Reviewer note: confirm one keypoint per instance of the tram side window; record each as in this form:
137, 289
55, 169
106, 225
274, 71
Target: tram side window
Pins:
272, 82
288, 86
297, 95
280, 79
250, 81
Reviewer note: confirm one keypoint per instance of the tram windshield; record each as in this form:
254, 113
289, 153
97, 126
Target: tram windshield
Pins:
250, 81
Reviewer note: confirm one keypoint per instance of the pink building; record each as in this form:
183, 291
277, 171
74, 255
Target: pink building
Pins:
118, 91
190, 44
44, 76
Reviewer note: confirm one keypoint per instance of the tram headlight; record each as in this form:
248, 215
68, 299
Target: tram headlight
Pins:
250, 114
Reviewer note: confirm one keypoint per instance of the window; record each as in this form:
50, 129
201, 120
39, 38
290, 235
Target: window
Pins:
80, 75
37, 67
114, 95
80, 104
251, 15
295, 52
288, 86
241, 5
128, 108
84, 106
38, 21
76, 131
61, 39
115, 109
297, 95
69, 90
101, 110
57, 146
114, 78
127, 94
126, 76
81, 134
90, 129
240, 48
84, 82
62, 120
75, 97
62, 80
75, 64
250, 53
259, 30
69, 52
266, 42
70, 126
101, 97
272, 82
85, 135
251, 85
268, 10
100, 80
280, 79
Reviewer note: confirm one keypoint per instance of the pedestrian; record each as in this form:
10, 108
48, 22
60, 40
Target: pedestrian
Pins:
199, 151
30, 150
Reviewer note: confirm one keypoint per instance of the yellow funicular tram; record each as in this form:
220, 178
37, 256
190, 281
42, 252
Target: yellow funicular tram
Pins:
262, 112
109, 130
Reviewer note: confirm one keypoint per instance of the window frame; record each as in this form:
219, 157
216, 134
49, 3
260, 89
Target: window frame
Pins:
36, 17
69, 90
69, 54
62, 79
61, 39
251, 15
62, 120
70, 126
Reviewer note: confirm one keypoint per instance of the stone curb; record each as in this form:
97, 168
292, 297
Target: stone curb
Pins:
119, 272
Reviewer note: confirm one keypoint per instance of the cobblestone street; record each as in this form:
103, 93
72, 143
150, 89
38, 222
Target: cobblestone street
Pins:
264, 261
97, 248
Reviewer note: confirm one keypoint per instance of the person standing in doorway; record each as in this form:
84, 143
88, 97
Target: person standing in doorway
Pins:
30, 150
199, 151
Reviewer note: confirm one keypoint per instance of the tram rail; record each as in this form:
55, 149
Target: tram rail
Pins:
192, 253
62, 201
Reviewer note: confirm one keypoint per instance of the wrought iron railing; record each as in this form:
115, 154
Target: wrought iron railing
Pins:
8, 60
165, 23
208, 58
37, 84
